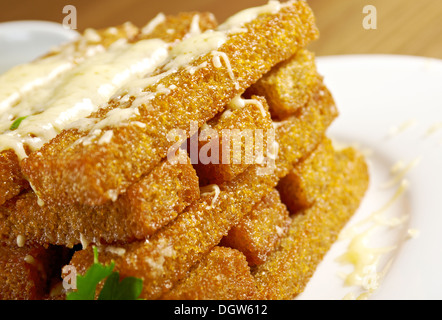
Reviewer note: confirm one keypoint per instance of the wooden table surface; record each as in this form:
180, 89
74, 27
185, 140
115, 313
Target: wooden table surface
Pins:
409, 27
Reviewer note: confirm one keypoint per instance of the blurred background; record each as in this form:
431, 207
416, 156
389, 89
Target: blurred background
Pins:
409, 27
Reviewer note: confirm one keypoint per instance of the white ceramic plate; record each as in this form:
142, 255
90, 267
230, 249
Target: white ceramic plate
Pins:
391, 108
23, 41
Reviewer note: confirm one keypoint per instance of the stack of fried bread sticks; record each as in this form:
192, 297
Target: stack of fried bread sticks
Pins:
191, 155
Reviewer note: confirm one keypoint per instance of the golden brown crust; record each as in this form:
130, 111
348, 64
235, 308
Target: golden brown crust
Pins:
12, 181
309, 179
147, 205
170, 253
223, 274
299, 135
169, 224
93, 37
26, 273
237, 127
176, 27
260, 231
289, 85
288, 269
86, 174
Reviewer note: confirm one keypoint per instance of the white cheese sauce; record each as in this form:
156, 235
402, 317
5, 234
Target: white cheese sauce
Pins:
123, 71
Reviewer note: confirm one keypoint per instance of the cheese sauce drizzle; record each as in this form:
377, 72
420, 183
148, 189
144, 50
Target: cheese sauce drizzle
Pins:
181, 56
122, 71
81, 92
367, 260
211, 188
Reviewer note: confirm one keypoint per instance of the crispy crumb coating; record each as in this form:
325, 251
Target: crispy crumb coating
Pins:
299, 135
168, 224
90, 37
147, 205
170, 253
12, 181
260, 231
26, 273
237, 142
223, 274
176, 27
289, 85
309, 179
288, 269
87, 174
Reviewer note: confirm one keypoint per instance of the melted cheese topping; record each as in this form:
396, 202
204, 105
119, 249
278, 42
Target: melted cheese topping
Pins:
433, 129
163, 251
84, 242
81, 92
119, 251
195, 25
149, 27
21, 240
217, 55
395, 130
211, 188
123, 72
367, 260
19, 81
238, 102
195, 45
235, 22
399, 170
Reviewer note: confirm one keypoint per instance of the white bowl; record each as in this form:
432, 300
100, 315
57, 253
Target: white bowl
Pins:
23, 41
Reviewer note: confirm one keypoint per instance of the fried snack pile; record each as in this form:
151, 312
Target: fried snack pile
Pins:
189, 154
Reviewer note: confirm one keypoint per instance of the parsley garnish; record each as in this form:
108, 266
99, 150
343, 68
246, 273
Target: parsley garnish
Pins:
114, 289
17, 122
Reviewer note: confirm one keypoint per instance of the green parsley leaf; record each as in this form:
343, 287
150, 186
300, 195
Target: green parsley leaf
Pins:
87, 284
128, 289
114, 289
17, 122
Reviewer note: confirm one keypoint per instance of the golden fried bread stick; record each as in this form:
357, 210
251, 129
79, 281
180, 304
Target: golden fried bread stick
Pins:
260, 231
46, 88
23, 80
80, 90
289, 85
170, 253
312, 232
195, 85
223, 274
299, 135
309, 179
147, 205
76, 73
232, 140
30, 82
26, 273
